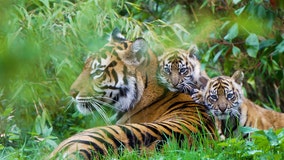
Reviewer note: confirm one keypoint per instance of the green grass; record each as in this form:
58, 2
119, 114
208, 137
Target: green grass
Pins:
43, 45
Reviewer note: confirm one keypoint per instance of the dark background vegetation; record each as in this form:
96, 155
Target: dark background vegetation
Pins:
43, 44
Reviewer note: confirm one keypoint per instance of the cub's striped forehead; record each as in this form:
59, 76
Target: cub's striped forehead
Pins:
221, 82
175, 56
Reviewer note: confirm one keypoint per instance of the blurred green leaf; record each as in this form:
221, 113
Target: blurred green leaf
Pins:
236, 51
38, 128
208, 53
275, 65
232, 33
280, 47
246, 130
272, 137
218, 54
266, 43
251, 81
239, 11
252, 152
236, 1
225, 24
252, 44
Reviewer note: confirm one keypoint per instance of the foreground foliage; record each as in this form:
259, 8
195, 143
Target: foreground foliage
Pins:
44, 44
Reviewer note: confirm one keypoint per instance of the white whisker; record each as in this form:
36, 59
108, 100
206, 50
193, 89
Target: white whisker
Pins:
72, 100
109, 105
101, 111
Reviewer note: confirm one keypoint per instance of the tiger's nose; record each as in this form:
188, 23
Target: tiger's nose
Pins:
74, 93
222, 108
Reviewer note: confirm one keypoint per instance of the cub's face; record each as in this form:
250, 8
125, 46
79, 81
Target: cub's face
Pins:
179, 70
223, 95
110, 77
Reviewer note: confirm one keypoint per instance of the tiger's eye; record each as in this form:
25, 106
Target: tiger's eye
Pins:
212, 96
183, 70
96, 73
167, 70
230, 95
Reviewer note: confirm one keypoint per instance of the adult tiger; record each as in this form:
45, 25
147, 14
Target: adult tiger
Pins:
224, 98
123, 74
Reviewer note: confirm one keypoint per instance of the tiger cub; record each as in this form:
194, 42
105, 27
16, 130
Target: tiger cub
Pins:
180, 70
224, 98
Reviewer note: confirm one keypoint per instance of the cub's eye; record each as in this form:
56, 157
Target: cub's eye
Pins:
167, 70
183, 70
230, 95
212, 96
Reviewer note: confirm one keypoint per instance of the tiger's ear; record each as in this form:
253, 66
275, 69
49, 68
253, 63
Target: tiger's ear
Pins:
139, 46
238, 77
192, 51
135, 55
203, 80
116, 36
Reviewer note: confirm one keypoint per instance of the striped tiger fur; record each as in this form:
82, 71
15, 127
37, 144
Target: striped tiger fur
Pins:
180, 121
150, 115
224, 98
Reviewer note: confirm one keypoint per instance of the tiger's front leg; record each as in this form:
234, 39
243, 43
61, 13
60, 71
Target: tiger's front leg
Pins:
219, 128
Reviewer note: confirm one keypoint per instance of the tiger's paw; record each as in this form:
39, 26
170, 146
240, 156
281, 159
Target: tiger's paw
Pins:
197, 96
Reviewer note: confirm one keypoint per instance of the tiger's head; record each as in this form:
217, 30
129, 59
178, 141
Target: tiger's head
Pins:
112, 76
223, 95
180, 70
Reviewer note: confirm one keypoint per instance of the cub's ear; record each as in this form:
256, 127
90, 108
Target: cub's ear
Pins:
116, 36
192, 51
204, 81
238, 77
